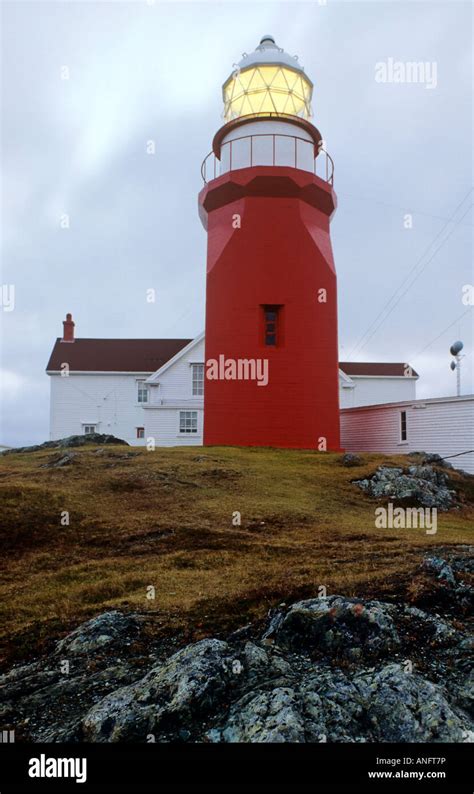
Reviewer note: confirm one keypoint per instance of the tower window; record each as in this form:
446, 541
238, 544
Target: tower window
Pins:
140, 432
271, 329
403, 426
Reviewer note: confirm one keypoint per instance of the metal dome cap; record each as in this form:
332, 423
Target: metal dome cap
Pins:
269, 53
266, 82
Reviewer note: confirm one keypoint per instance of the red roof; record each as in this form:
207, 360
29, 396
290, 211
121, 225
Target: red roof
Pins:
148, 355
373, 368
114, 355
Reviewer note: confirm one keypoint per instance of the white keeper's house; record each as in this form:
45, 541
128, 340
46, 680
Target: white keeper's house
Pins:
141, 389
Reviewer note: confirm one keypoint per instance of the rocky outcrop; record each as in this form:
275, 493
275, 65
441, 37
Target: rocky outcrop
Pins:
330, 669
106, 630
58, 461
341, 627
419, 485
386, 705
190, 684
70, 441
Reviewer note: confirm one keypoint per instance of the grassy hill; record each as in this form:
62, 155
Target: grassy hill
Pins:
164, 519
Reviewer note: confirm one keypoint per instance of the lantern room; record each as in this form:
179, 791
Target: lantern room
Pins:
267, 82
267, 111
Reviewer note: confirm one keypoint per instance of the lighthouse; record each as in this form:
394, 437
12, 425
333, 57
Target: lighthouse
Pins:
271, 290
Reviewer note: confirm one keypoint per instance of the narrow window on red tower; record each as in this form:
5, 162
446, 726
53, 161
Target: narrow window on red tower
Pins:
271, 330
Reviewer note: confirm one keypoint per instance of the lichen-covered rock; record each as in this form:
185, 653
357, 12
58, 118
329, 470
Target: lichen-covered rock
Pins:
45, 702
388, 705
262, 662
349, 460
421, 485
188, 686
441, 569
337, 626
446, 582
106, 629
314, 705
273, 716
436, 630
404, 707
461, 690
58, 461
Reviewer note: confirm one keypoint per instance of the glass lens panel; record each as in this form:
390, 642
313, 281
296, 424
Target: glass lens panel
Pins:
267, 89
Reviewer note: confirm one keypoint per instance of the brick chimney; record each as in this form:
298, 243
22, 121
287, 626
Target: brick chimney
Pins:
68, 332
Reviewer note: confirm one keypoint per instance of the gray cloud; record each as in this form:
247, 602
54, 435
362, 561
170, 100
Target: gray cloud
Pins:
139, 73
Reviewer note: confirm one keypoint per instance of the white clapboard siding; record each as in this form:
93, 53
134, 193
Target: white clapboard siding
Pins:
162, 425
108, 401
441, 425
368, 390
171, 392
175, 380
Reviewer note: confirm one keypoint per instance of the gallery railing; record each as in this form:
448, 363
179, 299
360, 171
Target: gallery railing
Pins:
268, 149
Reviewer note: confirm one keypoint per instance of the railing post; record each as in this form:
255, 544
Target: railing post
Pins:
230, 157
273, 148
251, 151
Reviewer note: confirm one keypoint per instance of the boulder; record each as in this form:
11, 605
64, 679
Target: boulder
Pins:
336, 626
349, 459
110, 628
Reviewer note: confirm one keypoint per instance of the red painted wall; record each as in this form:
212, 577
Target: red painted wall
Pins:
282, 255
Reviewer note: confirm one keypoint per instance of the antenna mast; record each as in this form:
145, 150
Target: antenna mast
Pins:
455, 351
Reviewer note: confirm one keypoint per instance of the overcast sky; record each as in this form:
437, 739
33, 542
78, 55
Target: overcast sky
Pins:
141, 71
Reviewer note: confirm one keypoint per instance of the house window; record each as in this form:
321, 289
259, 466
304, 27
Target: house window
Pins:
198, 379
403, 425
270, 329
188, 421
142, 393
89, 429
140, 432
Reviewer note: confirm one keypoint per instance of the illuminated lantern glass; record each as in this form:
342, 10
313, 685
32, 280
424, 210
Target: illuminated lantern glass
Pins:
269, 81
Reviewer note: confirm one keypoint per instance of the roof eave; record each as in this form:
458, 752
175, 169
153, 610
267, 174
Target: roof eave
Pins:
154, 377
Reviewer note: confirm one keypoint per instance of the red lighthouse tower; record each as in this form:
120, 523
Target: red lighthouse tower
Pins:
271, 293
